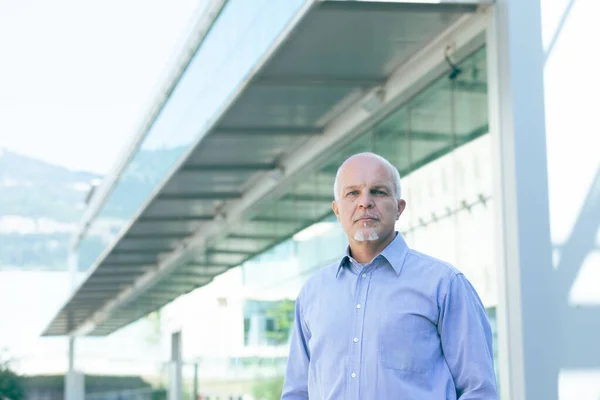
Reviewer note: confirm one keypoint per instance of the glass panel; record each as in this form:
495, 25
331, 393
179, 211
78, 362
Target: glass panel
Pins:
240, 36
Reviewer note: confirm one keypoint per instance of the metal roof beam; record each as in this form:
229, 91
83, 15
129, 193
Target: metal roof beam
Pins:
89, 295
252, 237
174, 289
279, 220
191, 274
230, 251
120, 270
121, 274
206, 265
170, 235
107, 286
308, 198
126, 263
465, 6
200, 196
187, 281
229, 167
203, 271
268, 130
319, 81
154, 250
175, 218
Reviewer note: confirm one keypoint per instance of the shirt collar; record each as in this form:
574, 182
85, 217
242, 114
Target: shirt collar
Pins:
394, 253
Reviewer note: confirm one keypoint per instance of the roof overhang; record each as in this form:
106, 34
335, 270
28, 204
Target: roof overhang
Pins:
319, 84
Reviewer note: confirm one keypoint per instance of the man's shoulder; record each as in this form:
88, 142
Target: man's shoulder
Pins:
322, 276
327, 272
431, 265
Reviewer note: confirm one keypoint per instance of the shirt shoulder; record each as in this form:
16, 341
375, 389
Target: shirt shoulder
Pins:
431, 267
319, 279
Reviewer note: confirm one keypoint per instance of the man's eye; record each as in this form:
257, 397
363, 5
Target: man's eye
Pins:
352, 193
377, 191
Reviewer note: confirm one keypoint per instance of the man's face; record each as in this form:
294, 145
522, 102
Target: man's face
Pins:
367, 206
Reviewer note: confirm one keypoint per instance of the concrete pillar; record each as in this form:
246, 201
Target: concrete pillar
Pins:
74, 380
175, 368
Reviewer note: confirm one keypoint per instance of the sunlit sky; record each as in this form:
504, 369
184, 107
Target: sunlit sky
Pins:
77, 76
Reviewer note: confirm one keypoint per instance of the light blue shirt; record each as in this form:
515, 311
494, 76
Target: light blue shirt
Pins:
405, 326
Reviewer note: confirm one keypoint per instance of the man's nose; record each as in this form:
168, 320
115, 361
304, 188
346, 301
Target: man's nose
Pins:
366, 200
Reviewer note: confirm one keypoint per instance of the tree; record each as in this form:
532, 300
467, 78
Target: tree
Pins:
282, 316
268, 389
11, 385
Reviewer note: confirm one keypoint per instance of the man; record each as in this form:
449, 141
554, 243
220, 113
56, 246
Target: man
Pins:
386, 322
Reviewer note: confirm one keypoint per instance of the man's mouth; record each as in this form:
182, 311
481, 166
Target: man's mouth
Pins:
367, 218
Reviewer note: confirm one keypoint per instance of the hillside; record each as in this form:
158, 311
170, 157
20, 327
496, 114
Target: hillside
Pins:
40, 205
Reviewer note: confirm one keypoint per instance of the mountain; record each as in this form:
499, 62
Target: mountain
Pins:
40, 205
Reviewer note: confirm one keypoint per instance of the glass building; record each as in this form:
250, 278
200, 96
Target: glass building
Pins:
222, 208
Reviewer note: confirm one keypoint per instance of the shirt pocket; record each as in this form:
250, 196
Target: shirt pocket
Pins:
404, 342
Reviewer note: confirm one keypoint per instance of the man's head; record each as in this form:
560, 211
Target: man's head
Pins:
367, 198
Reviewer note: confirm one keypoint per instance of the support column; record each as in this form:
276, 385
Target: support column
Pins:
196, 381
175, 368
526, 313
74, 380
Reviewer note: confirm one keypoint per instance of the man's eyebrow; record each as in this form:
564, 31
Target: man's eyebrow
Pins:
377, 186
381, 186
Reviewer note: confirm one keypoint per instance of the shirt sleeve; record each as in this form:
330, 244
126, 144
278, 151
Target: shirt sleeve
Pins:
466, 338
295, 386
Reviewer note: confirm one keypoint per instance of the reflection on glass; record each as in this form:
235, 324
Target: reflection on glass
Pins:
239, 37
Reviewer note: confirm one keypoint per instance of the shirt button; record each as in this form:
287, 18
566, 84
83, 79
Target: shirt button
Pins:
358, 306
353, 375
355, 340
364, 275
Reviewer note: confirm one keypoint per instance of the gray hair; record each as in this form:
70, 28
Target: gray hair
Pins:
389, 165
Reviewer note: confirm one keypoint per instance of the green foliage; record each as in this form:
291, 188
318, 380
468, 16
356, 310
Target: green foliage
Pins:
11, 385
283, 317
159, 394
268, 389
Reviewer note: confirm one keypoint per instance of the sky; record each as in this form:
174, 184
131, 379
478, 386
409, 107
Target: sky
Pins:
76, 77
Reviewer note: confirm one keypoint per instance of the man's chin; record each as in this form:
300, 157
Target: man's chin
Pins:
366, 235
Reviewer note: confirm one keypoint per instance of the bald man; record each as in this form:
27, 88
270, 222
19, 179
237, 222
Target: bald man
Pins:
386, 322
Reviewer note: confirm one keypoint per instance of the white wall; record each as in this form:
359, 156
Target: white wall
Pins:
570, 33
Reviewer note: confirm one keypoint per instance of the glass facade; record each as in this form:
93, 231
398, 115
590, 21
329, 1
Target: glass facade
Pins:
439, 142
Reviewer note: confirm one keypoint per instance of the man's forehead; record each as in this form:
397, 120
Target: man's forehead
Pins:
370, 169
378, 183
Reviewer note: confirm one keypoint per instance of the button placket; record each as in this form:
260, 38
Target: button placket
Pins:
358, 326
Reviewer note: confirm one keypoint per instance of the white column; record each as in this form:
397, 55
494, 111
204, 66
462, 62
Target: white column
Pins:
175, 367
526, 312
74, 380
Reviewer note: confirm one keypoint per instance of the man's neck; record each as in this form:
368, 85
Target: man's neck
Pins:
365, 251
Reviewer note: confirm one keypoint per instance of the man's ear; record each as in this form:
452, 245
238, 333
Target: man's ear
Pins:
335, 209
401, 207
